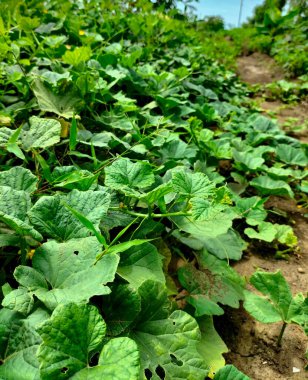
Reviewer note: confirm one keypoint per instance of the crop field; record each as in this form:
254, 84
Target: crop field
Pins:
153, 205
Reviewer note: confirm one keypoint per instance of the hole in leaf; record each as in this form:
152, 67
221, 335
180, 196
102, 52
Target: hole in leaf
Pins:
76, 252
64, 369
160, 372
148, 374
175, 360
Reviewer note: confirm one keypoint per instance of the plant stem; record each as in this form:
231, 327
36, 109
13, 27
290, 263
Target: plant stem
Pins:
141, 215
281, 334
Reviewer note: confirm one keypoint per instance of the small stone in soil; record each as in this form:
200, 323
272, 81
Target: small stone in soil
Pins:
301, 270
296, 370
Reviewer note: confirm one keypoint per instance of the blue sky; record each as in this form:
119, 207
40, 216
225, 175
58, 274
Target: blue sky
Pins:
228, 9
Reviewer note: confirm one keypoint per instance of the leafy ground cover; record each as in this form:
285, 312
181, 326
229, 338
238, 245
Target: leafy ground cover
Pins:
134, 170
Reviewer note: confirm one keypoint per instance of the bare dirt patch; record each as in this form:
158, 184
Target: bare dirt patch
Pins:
258, 68
254, 351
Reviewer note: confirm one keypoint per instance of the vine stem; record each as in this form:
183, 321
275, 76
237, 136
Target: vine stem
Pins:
281, 334
141, 215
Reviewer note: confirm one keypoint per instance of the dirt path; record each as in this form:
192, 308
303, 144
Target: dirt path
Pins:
252, 344
261, 69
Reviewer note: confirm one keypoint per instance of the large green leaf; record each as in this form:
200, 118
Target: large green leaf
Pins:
118, 360
268, 186
121, 307
19, 342
78, 55
62, 105
71, 337
19, 178
65, 272
169, 346
141, 263
14, 205
291, 155
228, 246
217, 224
50, 216
214, 283
249, 160
42, 133
126, 176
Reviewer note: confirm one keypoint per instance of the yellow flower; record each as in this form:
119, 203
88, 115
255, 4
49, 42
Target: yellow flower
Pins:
82, 32
30, 254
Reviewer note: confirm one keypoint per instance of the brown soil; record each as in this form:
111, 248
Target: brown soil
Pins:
258, 68
252, 345
283, 113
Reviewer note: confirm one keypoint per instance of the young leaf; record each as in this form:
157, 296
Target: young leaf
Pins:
192, 184
127, 177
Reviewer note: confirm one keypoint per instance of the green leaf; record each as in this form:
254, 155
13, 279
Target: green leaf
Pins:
192, 184
267, 232
19, 178
119, 360
170, 345
12, 145
278, 303
42, 134
211, 347
275, 286
73, 134
269, 186
228, 246
77, 56
214, 283
62, 105
202, 209
19, 342
72, 335
154, 195
260, 308
50, 216
14, 206
141, 263
217, 224
126, 176
229, 372
248, 159
121, 307
67, 272
291, 155
5, 135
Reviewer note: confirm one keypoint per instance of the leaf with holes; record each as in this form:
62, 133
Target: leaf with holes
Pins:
65, 272
72, 336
